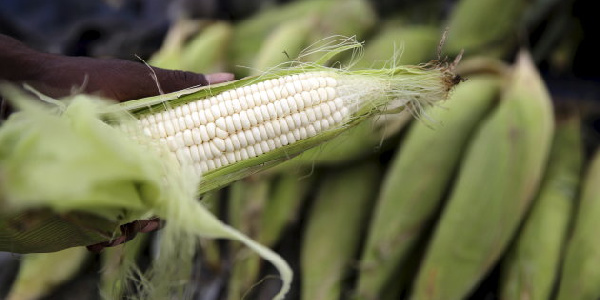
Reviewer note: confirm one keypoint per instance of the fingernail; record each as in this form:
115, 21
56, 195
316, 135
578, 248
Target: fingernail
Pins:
218, 77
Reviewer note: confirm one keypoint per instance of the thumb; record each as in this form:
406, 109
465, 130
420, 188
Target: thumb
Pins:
174, 80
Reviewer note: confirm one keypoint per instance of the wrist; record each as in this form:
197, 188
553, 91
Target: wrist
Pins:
19, 62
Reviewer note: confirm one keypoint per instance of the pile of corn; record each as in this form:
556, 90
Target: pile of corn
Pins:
490, 194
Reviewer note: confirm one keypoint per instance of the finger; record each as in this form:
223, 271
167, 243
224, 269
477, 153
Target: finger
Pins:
150, 225
96, 248
175, 80
218, 77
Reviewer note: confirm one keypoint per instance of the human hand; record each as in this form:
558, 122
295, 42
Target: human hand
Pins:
129, 232
59, 76
117, 79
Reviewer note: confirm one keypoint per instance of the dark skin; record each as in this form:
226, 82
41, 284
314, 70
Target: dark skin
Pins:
60, 76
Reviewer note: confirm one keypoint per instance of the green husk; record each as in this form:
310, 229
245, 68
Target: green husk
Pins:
266, 213
195, 46
211, 254
334, 229
169, 54
529, 273
287, 195
417, 44
206, 52
249, 34
246, 205
580, 273
413, 189
40, 273
488, 27
285, 42
495, 186
115, 261
407, 44
46, 155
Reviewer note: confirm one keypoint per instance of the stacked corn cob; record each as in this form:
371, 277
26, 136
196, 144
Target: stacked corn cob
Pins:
483, 188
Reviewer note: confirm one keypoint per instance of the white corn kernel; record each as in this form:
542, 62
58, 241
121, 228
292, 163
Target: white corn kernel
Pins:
248, 121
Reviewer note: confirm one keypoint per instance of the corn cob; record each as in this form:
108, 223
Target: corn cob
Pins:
334, 230
372, 136
34, 280
341, 18
408, 201
224, 130
263, 215
528, 272
580, 274
497, 181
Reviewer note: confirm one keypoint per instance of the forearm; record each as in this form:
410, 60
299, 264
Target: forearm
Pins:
59, 76
18, 62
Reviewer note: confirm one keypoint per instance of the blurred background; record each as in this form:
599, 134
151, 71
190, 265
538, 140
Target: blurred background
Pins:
247, 36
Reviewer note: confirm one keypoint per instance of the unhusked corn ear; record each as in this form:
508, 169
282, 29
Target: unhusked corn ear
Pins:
495, 185
406, 44
239, 121
489, 27
580, 274
205, 53
285, 42
249, 35
527, 272
40, 273
408, 200
334, 229
114, 274
246, 202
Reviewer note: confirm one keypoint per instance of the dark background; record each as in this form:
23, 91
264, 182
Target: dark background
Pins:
124, 29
